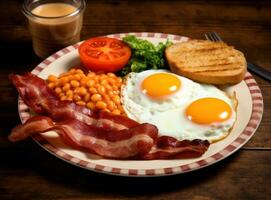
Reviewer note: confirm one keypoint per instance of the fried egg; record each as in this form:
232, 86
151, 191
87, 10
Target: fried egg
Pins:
179, 107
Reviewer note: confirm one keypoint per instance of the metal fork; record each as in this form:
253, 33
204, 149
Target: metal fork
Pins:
213, 36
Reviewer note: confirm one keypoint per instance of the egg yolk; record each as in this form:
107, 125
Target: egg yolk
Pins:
208, 110
160, 84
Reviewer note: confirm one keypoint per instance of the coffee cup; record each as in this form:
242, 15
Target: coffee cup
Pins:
53, 24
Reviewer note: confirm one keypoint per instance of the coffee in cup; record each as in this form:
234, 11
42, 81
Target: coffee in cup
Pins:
53, 24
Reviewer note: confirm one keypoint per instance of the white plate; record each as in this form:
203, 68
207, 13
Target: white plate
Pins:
249, 114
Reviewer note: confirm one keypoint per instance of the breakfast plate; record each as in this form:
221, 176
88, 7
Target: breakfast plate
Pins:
249, 114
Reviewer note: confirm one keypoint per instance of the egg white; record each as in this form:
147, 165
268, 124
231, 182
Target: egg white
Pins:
131, 90
169, 114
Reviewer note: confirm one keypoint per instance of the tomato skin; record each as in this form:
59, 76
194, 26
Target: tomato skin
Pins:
104, 54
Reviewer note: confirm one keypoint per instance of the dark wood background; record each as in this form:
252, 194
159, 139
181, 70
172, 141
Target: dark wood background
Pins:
29, 172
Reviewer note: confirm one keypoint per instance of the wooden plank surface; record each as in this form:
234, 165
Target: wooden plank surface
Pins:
46, 177
29, 172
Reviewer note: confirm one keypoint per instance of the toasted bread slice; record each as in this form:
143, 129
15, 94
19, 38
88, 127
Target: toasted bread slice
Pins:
207, 62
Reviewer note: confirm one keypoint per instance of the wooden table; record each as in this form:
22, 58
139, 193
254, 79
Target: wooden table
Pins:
29, 172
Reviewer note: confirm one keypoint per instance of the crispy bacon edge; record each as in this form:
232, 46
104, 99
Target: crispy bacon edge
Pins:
170, 148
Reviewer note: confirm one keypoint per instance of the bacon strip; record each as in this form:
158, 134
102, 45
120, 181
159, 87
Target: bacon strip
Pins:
170, 148
139, 142
33, 125
107, 143
105, 134
35, 93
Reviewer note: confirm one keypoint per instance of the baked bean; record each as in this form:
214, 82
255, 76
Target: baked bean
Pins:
82, 91
52, 78
96, 97
66, 87
51, 85
91, 105
74, 83
81, 103
58, 90
93, 90
100, 105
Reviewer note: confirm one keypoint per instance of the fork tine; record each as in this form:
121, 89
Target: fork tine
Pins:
218, 38
210, 36
213, 36
207, 36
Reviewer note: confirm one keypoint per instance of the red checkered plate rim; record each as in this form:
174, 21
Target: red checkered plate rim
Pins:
237, 143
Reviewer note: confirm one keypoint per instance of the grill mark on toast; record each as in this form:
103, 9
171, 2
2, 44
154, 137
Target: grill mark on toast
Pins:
200, 50
222, 52
213, 63
211, 66
218, 71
